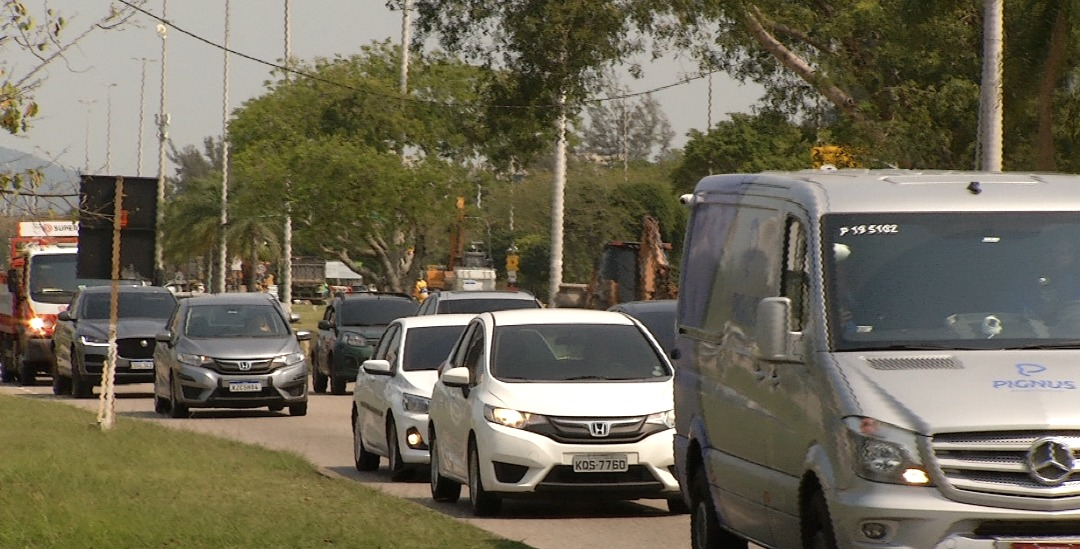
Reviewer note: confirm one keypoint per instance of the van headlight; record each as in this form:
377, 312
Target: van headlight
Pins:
885, 453
353, 340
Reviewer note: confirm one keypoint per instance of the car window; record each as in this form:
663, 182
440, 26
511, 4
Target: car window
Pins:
224, 321
427, 347
575, 352
661, 323
483, 305
374, 312
474, 358
129, 305
388, 342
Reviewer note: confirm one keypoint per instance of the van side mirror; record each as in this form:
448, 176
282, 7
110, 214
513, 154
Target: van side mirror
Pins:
773, 332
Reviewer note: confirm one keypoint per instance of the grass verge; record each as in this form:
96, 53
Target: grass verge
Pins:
66, 484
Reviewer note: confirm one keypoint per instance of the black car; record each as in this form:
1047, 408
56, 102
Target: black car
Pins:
81, 337
348, 332
657, 315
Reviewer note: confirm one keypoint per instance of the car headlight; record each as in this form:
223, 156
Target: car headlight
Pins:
353, 340
667, 419
415, 403
885, 453
511, 418
194, 360
93, 341
287, 360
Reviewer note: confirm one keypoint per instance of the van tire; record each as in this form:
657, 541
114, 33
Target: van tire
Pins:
318, 380
27, 372
337, 385
705, 529
817, 530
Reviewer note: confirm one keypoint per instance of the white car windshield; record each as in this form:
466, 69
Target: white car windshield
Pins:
575, 352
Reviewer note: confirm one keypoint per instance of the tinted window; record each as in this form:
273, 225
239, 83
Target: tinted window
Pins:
473, 306
374, 312
130, 305
53, 280
212, 321
661, 323
575, 352
426, 348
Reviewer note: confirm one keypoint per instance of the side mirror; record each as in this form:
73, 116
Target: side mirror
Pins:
377, 367
64, 315
165, 337
303, 335
294, 318
325, 325
456, 377
773, 333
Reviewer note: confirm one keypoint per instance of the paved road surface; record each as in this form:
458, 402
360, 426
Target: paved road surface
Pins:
324, 437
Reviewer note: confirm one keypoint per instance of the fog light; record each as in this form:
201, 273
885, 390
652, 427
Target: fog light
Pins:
413, 438
874, 530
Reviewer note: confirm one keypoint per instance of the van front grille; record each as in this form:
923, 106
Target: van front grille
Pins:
1016, 469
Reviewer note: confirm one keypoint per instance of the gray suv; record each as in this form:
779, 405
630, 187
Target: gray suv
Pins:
233, 350
477, 301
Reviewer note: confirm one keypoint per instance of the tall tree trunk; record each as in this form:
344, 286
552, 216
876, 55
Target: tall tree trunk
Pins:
1045, 153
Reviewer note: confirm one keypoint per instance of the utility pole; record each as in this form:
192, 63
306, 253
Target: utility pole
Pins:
286, 276
142, 111
163, 137
86, 104
990, 99
223, 257
108, 131
558, 189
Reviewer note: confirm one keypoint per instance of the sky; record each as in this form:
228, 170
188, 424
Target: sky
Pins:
99, 104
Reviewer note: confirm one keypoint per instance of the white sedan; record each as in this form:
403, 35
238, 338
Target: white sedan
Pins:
390, 399
553, 403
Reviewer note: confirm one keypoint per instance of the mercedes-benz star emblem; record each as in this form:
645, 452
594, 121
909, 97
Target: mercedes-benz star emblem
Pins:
1050, 461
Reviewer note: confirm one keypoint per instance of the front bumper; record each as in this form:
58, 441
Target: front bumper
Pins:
128, 370
922, 517
204, 388
416, 424
514, 462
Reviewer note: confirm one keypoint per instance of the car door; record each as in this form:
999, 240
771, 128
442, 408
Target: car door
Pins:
461, 400
165, 354
64, 337
325, 341
372, 391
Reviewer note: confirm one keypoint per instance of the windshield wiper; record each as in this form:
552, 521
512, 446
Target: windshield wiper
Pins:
917, 347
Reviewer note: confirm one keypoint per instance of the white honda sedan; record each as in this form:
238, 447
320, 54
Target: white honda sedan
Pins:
390, 399
553, 403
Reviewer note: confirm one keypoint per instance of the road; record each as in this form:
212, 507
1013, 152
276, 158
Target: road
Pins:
324, 437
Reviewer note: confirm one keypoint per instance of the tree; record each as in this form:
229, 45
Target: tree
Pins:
906, 99
744, 143
625, 130
36, 34
333, 140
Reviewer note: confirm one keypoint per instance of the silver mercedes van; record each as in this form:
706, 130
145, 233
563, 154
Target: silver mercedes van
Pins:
871, 359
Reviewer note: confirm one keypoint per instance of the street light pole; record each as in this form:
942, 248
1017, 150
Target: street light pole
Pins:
108, 132
223, 258
163, 137
142, 111
286, 276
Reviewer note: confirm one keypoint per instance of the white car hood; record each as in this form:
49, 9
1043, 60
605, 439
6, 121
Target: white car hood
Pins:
966, 390
584, 399
419, 382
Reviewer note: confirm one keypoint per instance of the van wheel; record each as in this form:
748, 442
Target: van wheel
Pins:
677, 506
61, 385
484, 503
80, 386
817, 531
705, 529
442, 488
364, 460
298, 409
177, 409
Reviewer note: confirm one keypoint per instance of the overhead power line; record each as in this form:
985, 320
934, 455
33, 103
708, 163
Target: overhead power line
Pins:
682, 81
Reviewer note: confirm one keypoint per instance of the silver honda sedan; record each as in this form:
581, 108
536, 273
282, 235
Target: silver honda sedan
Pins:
233, 350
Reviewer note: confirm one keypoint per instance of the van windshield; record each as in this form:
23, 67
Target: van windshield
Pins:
956, 280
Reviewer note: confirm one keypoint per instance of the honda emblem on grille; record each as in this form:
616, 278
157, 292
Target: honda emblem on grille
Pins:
244, 365
600, 428
1050, 461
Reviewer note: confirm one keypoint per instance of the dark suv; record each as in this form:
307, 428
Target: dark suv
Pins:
81, 336
348, 332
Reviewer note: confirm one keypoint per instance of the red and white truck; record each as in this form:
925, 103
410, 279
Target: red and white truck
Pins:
38, 283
